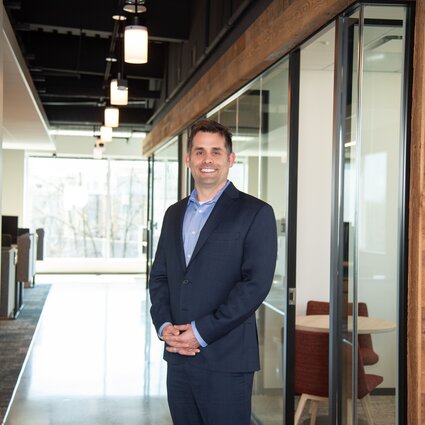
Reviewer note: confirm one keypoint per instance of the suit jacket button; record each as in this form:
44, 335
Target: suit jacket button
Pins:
185, 282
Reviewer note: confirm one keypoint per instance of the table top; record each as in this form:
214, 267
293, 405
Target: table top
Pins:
365, 325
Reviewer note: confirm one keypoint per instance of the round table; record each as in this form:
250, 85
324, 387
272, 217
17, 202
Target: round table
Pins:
365, 325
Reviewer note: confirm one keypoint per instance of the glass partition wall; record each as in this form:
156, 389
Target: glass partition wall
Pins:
320, 136
164, 191
314, 222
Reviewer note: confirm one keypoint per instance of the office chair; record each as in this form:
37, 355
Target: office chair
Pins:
312, 375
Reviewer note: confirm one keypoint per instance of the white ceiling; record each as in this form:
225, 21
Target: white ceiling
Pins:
24, 124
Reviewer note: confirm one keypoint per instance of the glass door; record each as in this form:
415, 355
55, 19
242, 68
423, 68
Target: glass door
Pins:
371, 175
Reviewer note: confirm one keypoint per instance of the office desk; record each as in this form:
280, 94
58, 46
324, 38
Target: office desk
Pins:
365, 325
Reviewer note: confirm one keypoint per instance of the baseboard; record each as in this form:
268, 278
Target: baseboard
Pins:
384, 391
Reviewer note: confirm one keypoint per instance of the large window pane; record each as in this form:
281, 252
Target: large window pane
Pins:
88, 208
127, 210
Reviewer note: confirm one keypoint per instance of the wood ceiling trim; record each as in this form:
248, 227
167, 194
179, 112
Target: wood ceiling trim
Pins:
416, 237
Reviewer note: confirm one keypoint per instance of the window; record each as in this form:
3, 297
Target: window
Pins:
88, 208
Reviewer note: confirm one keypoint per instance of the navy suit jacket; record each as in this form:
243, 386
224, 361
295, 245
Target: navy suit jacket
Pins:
229, 275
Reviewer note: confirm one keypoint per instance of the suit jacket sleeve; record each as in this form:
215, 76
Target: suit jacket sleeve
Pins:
158, 283
257, 271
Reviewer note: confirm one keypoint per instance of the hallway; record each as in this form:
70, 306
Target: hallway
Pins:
95, 358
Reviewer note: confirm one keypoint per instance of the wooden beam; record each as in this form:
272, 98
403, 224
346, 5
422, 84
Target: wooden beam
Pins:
416, 263
281, 27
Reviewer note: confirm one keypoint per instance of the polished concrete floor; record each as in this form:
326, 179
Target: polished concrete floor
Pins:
95, 359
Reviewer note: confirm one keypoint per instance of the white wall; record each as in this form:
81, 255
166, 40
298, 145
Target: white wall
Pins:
13, 184
314, 187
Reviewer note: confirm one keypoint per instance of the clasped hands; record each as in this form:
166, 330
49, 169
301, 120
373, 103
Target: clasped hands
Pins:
180, 339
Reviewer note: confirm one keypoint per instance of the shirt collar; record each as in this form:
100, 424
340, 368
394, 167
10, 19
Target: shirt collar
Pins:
194, 196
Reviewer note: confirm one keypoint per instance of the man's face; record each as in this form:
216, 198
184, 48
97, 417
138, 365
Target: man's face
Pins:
209, 160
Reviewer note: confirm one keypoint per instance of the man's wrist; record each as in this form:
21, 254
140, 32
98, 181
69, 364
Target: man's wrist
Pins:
198, 336
161, 329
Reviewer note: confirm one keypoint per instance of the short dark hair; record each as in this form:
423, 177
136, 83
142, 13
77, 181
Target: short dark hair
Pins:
210, 126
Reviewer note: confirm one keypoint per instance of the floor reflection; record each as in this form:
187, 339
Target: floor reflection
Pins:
95, 359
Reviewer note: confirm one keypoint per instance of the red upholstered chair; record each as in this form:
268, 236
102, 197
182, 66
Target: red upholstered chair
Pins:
367, 382
311, 371
369, 356
317, 307
311, 375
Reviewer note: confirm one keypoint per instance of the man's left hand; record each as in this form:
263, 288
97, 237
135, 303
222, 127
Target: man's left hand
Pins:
184, 343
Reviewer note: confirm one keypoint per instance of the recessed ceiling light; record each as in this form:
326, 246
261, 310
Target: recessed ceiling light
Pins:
135, 6
131, 8
119, 17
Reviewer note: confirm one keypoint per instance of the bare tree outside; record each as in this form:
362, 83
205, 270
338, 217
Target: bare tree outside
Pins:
88, 208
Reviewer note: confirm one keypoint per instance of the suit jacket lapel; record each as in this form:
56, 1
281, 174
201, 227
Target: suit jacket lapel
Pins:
220, 210
179, 231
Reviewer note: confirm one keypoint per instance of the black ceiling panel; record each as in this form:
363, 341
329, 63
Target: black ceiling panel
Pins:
50, 50
66, 44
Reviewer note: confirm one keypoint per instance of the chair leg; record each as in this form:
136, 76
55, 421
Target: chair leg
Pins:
300, 408
367, 406
349, 411
314, 405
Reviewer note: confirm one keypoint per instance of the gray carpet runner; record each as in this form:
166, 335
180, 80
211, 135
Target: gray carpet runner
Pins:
15, 338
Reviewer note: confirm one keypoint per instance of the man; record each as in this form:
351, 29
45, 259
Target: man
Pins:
213, 268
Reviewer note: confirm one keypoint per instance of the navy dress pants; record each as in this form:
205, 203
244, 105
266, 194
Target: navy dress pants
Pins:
202, 397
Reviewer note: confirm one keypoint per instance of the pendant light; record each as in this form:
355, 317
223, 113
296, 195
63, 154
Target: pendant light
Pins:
119, 91
105, 134
98, 149
112, 116
119, 86
136, 43
136, 38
